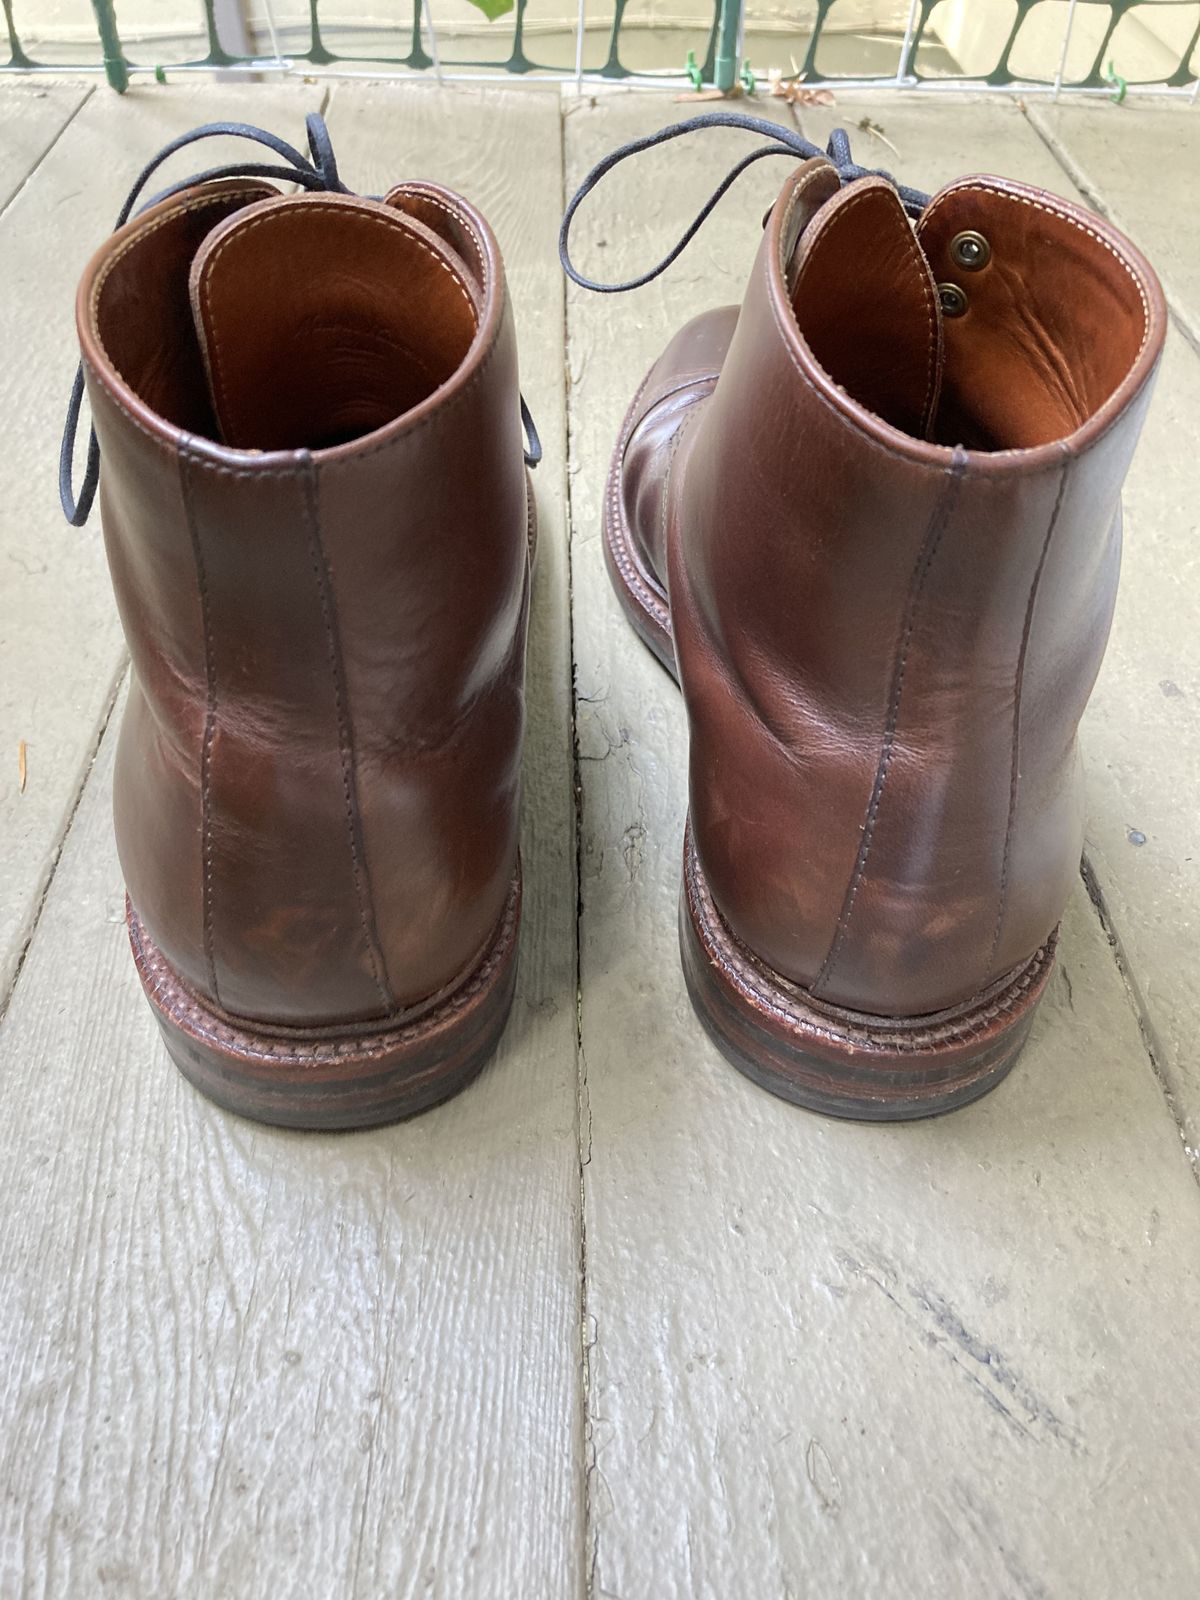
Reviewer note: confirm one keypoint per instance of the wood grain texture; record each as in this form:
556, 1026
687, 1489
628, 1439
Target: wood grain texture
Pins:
60, 646
240, 1362
1144, 728
830, 1360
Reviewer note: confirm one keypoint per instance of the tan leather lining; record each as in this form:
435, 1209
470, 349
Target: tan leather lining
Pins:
324, 318
1055, 322
865, 302
139, 304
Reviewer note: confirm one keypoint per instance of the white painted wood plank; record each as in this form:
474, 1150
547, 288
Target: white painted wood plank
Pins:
249, 1363
1144, 728
32, 115
830, 1360
60, 648
1143, 738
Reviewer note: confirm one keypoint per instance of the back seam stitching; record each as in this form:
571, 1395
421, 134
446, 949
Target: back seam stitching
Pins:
324, 578
1018, 685
210, 721
929, 550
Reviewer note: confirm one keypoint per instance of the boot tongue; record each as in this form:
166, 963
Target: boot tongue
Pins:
323, 317
867, 305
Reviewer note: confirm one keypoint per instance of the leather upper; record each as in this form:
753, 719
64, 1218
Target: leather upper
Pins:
314, 505
892, 541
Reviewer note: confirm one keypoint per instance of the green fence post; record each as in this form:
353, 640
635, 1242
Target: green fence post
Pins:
725, 68
115, 68
18, 57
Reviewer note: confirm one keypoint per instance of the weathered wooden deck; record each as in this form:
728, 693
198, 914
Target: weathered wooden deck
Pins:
615, 1322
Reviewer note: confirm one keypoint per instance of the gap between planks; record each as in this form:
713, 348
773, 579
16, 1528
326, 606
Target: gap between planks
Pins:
43, 893
1137, 1004
1151, 1042
87, 92
583, 1110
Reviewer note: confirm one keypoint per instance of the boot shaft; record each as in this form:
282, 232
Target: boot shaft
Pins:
316, 792
893, 542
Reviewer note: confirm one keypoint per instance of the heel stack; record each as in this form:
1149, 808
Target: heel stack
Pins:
844, 1063
336, 1077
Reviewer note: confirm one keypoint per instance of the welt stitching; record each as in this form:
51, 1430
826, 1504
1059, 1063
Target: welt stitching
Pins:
923, 275
617, 544
240, 229
210, 723
630, 425
1018, 686
324, 578
761, 984
666, 488
613, 510
178, 1001
929, 550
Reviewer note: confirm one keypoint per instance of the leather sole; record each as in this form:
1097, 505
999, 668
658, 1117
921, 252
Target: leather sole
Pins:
336, 1078
841, 1063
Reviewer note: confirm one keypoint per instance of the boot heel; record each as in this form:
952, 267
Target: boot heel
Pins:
335, 1077
844, 1063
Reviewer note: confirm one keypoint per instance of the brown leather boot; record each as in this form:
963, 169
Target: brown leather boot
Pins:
317, 520
872, 523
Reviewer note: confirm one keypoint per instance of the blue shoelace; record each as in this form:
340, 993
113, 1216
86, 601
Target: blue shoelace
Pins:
782, 141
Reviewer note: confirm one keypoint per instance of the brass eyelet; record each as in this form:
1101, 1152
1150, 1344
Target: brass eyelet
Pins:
953, 301
970, 250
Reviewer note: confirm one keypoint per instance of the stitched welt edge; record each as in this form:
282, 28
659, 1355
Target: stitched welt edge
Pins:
170, 994
758, 982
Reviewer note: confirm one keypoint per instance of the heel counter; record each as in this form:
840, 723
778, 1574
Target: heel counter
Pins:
157, 823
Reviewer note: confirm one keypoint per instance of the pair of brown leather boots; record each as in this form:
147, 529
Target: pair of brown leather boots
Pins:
870, 520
